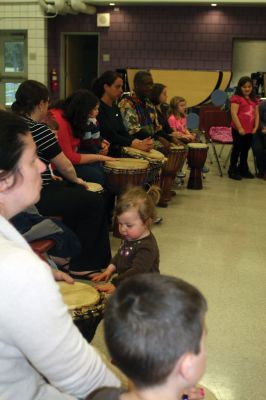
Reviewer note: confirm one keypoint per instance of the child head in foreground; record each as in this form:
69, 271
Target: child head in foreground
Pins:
155, 332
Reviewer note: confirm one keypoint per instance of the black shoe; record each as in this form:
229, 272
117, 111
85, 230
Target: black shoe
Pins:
247, 174
235, 175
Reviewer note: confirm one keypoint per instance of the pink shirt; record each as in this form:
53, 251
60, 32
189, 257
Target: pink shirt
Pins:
68, 142
178, 124
246, 112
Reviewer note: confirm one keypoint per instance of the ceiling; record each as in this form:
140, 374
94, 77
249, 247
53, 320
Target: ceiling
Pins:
176, 2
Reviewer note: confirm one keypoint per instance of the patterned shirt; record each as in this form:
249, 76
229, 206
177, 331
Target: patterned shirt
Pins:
139, 116
47, 146
135, 257
246, 112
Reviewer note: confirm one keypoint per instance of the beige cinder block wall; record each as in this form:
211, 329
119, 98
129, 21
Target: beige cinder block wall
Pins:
30, 17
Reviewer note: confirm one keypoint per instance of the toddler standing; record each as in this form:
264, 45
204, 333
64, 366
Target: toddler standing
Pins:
138, 252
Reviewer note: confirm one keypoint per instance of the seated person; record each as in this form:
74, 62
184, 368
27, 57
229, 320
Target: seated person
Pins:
72, 117
178, 120
259, 142
33, 226
138, 252
155, 332
138, 112
158, 97
109, 88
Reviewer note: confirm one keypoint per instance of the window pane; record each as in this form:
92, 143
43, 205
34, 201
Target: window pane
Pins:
14, 56
10, 91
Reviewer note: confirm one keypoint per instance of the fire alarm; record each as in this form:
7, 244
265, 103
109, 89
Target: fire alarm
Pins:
103, 20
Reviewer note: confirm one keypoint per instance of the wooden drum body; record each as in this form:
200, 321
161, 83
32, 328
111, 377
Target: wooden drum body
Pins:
175, 160
125, 172
154, 158
197, 154
86, 306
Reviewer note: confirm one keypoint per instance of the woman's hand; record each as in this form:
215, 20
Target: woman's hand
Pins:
241, 131
106, 158
144, 145
81, 182
107, 288
62, 276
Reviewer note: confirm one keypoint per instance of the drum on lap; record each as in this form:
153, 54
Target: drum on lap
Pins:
86, 306
126, 172
197, 154
175, 161
155, 158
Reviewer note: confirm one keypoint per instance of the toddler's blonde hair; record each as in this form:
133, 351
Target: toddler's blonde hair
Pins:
144, 202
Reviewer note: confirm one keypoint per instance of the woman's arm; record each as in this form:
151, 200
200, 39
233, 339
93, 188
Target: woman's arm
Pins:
66, 169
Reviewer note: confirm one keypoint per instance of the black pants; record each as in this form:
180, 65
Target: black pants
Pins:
241, 146
259, 150
85, 213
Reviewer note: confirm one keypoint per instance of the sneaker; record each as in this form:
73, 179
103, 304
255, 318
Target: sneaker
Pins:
235, 176
181, 175
158, 220
205, 169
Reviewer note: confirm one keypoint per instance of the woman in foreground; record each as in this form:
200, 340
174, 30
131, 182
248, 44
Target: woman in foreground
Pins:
43, 355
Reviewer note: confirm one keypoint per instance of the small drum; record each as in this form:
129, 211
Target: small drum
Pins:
154, 157
197, 154
176, 157
126, 171
94, 187
85, 305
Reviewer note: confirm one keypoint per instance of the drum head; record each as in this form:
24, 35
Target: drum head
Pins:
78, 295
176, 147
94, 187
152, 154
197, 146
127, 164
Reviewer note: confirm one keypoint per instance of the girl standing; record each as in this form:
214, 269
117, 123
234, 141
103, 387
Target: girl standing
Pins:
138, 252
245, 122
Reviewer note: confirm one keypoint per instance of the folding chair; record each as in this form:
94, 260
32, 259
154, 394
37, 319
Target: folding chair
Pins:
217, 130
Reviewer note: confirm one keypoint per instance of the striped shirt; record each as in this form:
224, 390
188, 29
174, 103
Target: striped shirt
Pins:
47, 146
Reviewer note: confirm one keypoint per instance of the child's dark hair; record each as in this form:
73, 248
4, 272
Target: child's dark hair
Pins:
76, 109
28, 95
150, 322
107, 78
144, 202
156, 92
174, 106
12, 130
242, 81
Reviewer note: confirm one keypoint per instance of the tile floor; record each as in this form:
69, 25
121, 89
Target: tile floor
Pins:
215, 238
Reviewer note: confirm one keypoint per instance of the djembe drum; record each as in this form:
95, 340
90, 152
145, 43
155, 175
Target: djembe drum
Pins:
85, 305
125, 172
197, 154
155, 159
175, 161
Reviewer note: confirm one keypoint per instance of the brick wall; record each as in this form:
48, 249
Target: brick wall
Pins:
171, 37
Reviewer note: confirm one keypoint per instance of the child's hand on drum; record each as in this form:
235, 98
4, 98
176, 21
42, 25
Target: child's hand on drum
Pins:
107, 288
104, 276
